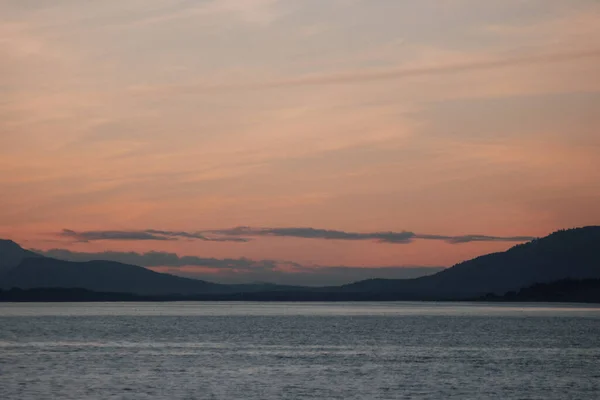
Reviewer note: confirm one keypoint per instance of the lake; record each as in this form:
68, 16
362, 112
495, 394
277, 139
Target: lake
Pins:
217, 350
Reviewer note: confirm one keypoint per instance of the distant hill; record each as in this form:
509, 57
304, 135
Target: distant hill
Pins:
24, 269
566, 254
11, 255
573, 253
101, 276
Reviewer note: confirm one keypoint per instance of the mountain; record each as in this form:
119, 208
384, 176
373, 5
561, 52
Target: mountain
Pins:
566, 254
11, 255
25, 269
101, 276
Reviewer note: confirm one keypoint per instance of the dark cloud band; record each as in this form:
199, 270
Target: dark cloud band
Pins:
383, 237
148, 234
159, 259
245, 234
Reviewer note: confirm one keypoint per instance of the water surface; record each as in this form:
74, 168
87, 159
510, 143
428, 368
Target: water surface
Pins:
299, 351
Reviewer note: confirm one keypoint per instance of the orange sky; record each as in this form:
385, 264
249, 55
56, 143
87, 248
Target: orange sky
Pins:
440, 118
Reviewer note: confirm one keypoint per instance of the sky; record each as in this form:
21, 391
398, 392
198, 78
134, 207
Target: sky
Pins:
310, 142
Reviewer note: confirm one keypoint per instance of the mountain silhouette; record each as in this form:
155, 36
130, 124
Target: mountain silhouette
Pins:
566, 254
25, 269
11, 255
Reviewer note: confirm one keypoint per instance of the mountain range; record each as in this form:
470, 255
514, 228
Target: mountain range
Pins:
25, 269
566, 254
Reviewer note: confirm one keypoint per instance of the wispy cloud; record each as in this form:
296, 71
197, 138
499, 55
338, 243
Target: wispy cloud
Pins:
148, 234
313, 233
193, 235
370, 75
245, 233
383, 237
244, 270
366, 76
254, 12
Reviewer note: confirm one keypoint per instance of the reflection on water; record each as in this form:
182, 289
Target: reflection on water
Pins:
299, 351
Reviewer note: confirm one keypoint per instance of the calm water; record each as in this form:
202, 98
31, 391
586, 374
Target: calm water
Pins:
298, 351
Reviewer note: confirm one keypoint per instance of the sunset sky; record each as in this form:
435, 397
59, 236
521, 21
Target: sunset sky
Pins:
297, 141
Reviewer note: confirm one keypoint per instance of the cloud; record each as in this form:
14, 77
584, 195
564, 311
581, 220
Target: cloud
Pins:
382, 237
252, 12
148, 234
244, 234
483, 238
111, 235
313, 233
160, 259
193, 235
244, 270
365, 76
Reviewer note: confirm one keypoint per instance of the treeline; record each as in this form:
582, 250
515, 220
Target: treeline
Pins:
563, 291
566, 290
84, 295
62, 295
